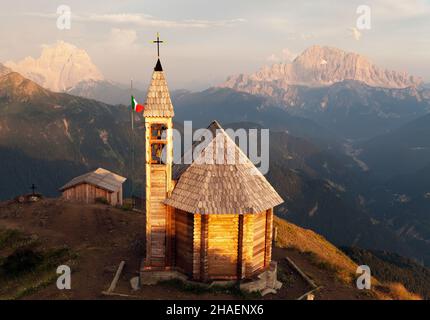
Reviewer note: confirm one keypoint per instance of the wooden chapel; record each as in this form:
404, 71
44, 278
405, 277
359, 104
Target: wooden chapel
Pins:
207, 220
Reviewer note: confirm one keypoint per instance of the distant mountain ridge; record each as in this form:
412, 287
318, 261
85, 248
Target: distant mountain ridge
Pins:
401, 151
340, 90
62, 67
356, 110
59, 67
41, 130
106, 91
321, 66
16, 88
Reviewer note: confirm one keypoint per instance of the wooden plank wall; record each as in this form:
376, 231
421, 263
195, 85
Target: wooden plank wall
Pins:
204, 247
160, 228
170, 236
77, 193
157, 216
197, 246
259, 242
269, 234
240, 252
222, 250
184, 231
87, 193
248, 245
230, 246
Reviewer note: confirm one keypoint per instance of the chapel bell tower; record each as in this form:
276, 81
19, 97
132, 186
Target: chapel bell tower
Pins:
158, 114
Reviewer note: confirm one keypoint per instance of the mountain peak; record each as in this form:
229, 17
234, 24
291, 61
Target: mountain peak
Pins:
59, 67
323, 66
4, 70
15, 87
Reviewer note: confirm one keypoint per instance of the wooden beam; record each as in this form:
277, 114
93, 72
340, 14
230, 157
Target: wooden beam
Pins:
168, 252
173, 236
116, 277
157, 141
204, 266
248, 243
197, 237
269, 230
240, 250
301, 273
148, 194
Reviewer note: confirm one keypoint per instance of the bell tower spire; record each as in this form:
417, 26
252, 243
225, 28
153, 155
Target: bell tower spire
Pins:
158, 114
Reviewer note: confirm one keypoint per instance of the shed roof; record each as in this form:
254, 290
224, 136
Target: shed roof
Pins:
221, 180
101, 178
158, 102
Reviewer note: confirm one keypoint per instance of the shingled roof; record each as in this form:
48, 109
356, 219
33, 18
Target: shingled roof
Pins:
179, 168
101, 178
158, 102
221, 180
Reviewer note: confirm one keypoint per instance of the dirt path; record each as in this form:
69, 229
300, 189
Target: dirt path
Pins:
332, 287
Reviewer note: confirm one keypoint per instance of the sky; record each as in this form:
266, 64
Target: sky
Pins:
206, 41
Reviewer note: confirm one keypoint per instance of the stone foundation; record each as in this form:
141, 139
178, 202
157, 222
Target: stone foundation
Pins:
267, 282
149, 277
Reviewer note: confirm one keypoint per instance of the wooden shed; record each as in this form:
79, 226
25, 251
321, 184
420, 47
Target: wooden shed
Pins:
100, 183
211, 219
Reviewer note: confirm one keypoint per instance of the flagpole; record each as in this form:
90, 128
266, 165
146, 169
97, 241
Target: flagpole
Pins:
132, 116
132, 148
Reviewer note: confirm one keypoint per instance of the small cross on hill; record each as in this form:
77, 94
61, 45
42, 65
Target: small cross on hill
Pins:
33, 187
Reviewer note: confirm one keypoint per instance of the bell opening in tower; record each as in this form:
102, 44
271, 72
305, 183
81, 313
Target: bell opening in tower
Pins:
158, 142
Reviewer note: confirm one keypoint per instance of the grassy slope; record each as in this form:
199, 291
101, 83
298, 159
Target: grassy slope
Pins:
26, 266
388, 266
325, 255
99, 237
309, 242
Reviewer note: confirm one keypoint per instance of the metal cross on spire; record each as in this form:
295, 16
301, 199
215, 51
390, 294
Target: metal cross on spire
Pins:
158, 41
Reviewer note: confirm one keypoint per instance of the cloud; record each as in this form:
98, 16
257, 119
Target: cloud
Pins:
273, 58
288, 55
123, 37
356, 34
285, 55
144, 20
400, 9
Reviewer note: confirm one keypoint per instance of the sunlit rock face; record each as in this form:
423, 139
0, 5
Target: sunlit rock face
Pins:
60, 66
320, 66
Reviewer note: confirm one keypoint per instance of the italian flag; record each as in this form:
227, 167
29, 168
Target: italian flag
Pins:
135, 105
